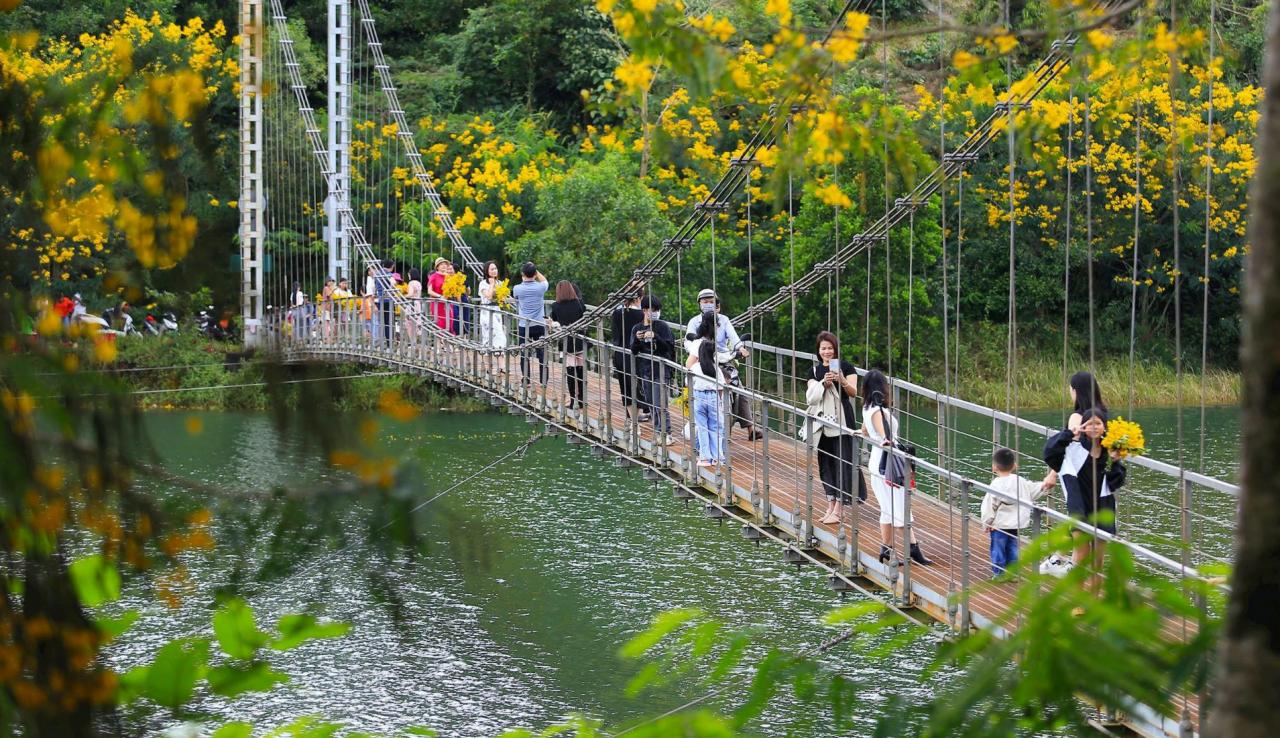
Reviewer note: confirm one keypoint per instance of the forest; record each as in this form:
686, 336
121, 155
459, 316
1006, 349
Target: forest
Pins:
540, 158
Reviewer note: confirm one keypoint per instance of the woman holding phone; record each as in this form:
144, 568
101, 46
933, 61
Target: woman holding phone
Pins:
833, 382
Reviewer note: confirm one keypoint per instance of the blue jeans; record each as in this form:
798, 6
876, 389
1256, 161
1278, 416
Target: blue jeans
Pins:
707, 416
1004, 550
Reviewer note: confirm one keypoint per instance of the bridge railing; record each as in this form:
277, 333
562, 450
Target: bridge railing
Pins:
757, 469
962, 436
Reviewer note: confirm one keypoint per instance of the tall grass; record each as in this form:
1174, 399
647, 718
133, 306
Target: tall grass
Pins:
1040, 383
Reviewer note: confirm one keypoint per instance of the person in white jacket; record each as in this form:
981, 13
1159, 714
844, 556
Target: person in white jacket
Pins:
1004, 515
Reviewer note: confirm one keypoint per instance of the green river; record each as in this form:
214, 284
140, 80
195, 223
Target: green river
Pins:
527, 580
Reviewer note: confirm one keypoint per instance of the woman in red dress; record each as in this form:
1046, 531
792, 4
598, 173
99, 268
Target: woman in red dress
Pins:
440, 311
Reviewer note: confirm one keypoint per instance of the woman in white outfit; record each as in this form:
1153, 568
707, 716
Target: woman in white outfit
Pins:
493, 328
879, 426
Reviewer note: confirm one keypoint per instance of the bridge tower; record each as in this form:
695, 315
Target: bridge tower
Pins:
339, 114
253, 230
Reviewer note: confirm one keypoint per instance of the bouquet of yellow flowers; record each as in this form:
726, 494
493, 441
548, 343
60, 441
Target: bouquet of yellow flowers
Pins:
502, 294
681, 402
454, 285
1125, 438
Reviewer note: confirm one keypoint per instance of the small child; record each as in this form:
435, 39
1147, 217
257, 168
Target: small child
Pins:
1003, 518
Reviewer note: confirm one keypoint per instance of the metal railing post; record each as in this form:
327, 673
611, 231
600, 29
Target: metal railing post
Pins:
725, 470
765, 514
608, 390
907, 528
811, 450
966, 620
855, 511
691, 455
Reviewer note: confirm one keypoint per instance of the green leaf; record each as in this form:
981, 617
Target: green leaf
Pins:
178, 666
237, 633
296, 629
233, 730
96, 580
113, 627
232, 680
421, 731
662, 626
132, 684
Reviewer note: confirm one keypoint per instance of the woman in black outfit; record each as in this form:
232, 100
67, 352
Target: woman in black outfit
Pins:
623, 321
567, 310
834, 382
651, 340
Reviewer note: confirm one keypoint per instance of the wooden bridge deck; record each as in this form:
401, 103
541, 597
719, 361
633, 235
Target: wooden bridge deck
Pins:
793, 486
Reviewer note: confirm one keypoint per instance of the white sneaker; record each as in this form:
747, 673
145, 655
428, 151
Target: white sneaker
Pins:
1056, 566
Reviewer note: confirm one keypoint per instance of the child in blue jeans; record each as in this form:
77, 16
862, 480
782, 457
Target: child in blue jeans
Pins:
1002, 517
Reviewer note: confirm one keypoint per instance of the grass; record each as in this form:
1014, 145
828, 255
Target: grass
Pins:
188, 371
1040, 383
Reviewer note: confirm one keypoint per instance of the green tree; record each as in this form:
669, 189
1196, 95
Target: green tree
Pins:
599, 222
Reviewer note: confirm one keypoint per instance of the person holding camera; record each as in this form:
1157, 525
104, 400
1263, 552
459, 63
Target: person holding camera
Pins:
832, 383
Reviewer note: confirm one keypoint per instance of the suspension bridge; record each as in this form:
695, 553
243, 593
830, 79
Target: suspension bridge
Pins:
297, 191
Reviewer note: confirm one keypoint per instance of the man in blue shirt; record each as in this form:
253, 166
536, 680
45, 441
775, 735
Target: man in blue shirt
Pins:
531, 311
727, 349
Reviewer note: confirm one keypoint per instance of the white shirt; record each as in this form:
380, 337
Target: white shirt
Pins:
1005, 514
875, 437
726, 335
698, 381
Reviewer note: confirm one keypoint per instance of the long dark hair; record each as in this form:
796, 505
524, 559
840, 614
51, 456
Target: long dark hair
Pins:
566, 291
487, 264
707, 349
875, 389
1088, 393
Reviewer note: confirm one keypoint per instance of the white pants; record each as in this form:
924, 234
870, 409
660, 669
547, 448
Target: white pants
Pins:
892, 501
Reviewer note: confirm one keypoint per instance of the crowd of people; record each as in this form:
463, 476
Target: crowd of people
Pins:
644, 351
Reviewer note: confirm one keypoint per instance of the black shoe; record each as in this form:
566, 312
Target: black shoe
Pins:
918, 557
886, 553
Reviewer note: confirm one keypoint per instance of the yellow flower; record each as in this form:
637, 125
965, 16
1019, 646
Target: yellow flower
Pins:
454, 285
963, 60
833, 196
780, 9
1125, 438
1100, 39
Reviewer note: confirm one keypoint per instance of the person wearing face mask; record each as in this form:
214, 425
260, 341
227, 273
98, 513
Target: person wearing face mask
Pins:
622, 322
728, 348
651, 341
1090, 476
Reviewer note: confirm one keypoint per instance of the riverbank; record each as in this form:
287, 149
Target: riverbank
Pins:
190, 372
1041, 384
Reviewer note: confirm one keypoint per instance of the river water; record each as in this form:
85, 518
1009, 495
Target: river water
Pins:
523, 584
